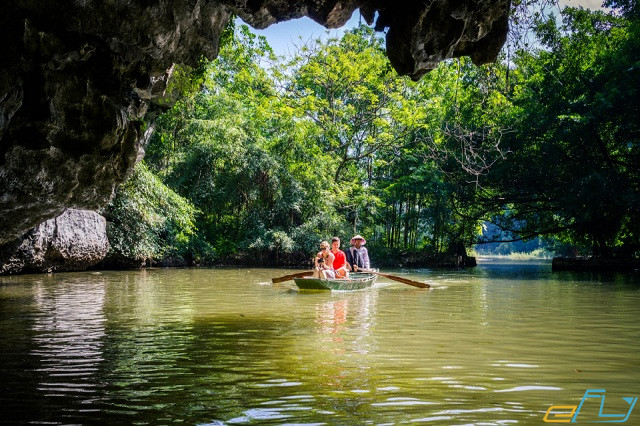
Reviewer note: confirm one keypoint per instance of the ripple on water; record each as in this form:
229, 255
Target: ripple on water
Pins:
277, 383
224, 346
529, 388
431, 419
401, 402
514, 365
263, 414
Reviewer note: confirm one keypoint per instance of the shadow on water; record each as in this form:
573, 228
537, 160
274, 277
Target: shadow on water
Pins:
75, 351
631, 279
189, 371
70, 353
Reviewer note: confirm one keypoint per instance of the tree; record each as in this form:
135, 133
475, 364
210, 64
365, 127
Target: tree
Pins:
236, 151
146, 221
576, 160
348, 90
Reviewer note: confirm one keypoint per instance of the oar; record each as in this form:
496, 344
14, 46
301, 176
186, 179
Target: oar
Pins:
399, 279
290, 277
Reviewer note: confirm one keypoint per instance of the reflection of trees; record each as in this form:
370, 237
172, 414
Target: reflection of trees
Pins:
181, 351
68, 340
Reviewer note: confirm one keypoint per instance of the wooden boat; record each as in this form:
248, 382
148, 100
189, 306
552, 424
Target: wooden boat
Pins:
356, 281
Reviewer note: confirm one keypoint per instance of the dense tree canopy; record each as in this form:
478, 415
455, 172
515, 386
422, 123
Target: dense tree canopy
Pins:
574, 170
264, 157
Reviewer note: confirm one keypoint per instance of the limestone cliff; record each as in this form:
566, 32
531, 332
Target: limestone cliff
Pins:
73, 241
78, 78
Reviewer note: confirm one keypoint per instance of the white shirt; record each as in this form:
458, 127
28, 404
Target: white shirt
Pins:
364, 255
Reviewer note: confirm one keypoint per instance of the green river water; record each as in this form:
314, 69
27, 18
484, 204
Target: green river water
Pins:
497, 344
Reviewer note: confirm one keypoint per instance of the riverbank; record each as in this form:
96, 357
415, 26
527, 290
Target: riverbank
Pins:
383, 258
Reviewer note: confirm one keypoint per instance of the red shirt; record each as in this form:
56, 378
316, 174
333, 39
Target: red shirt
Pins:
340, 259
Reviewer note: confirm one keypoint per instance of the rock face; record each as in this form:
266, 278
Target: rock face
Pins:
73, 241
78, 79
420, 34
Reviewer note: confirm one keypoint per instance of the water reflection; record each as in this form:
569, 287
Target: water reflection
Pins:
221, 347
330, 316
68, 331
352, 313
344, 339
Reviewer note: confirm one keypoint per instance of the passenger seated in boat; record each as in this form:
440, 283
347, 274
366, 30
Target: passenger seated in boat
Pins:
340, 263
324, 262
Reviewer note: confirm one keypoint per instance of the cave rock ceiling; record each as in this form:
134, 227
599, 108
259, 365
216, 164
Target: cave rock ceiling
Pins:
78, 78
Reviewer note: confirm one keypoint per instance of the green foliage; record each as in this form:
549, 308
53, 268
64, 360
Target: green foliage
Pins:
392, 143
574, 168
269, 157
235, 151
346, 90
148, 221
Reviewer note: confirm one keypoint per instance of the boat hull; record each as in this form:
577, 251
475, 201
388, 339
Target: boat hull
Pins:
354, 282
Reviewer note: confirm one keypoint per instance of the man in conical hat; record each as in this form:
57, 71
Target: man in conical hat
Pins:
357, 255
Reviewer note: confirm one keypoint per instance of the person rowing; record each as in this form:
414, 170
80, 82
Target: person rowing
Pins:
357, 255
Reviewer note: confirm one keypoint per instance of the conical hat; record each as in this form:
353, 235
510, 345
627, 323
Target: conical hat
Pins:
358, 237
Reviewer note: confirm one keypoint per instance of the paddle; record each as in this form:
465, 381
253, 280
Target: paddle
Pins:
290, 277
399, 279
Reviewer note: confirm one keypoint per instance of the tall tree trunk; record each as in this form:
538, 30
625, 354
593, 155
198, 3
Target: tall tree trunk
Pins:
407, 218
399, 223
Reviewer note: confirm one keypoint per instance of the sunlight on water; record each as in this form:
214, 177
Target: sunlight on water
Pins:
493, 345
